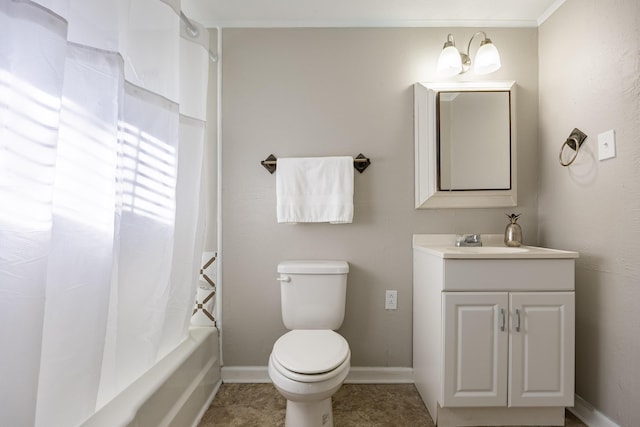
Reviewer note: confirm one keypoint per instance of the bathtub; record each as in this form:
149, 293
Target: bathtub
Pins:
175, 392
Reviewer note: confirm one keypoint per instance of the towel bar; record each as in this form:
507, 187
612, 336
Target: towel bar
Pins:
360, 163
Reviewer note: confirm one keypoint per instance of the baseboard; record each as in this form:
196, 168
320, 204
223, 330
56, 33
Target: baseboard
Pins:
379, 375
590, 415
357, 375
245, 374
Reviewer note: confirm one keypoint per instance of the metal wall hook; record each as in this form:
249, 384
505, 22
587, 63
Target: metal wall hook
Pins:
575, 140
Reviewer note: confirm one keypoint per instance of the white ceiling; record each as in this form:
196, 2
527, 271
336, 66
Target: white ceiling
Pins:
369, 13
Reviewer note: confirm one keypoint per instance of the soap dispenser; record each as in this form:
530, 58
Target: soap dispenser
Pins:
513, 232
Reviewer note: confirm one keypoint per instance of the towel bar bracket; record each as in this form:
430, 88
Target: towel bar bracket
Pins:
270, 163
360, 163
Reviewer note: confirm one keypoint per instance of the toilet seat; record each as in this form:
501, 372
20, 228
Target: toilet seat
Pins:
309, 378
310, 355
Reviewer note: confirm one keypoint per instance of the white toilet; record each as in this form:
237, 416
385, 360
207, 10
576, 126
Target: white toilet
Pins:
310, 362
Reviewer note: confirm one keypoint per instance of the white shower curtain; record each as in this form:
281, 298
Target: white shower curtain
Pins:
102, 110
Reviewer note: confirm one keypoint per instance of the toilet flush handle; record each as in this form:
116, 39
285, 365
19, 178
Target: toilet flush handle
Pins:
284, 279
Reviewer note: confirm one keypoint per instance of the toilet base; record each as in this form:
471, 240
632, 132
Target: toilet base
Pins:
309, 414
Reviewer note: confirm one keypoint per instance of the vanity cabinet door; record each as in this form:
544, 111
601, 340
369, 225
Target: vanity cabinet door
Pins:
541, 362
475, 335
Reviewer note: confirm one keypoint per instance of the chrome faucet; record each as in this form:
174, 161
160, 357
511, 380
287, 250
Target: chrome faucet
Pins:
468, 240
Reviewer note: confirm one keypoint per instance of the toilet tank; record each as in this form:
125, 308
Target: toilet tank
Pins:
313, 293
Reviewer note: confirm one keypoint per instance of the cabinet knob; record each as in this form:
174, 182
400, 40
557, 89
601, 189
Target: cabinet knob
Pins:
517, 320
502, 319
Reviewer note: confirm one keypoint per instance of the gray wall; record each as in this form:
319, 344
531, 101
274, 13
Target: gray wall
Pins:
590, 79
316, 92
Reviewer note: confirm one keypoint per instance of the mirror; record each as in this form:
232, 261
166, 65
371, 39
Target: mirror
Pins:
465, 145
473, 140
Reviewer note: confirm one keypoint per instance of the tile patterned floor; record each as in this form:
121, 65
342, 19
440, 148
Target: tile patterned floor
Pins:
354, 405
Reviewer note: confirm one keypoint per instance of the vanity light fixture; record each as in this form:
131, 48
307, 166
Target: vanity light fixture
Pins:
452, 61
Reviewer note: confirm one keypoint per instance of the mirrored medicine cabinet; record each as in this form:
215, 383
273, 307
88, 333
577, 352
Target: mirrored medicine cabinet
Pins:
465, 145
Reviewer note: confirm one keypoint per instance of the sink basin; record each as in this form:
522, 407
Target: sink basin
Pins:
488, 249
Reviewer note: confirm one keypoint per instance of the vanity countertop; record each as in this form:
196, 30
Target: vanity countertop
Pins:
443, 246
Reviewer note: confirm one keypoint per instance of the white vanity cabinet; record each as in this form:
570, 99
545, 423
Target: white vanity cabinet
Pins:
508, 349
493, 334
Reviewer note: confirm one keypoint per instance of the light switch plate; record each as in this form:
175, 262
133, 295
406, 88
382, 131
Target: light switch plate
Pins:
606, 145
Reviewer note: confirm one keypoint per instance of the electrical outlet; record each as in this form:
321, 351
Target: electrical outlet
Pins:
391, 300
606, 145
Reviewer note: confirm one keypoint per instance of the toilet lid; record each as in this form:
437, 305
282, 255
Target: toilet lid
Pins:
311, 351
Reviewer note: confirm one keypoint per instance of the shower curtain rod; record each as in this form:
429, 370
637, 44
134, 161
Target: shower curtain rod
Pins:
193, 31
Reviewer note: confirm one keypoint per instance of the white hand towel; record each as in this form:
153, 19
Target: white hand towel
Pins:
315, 189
